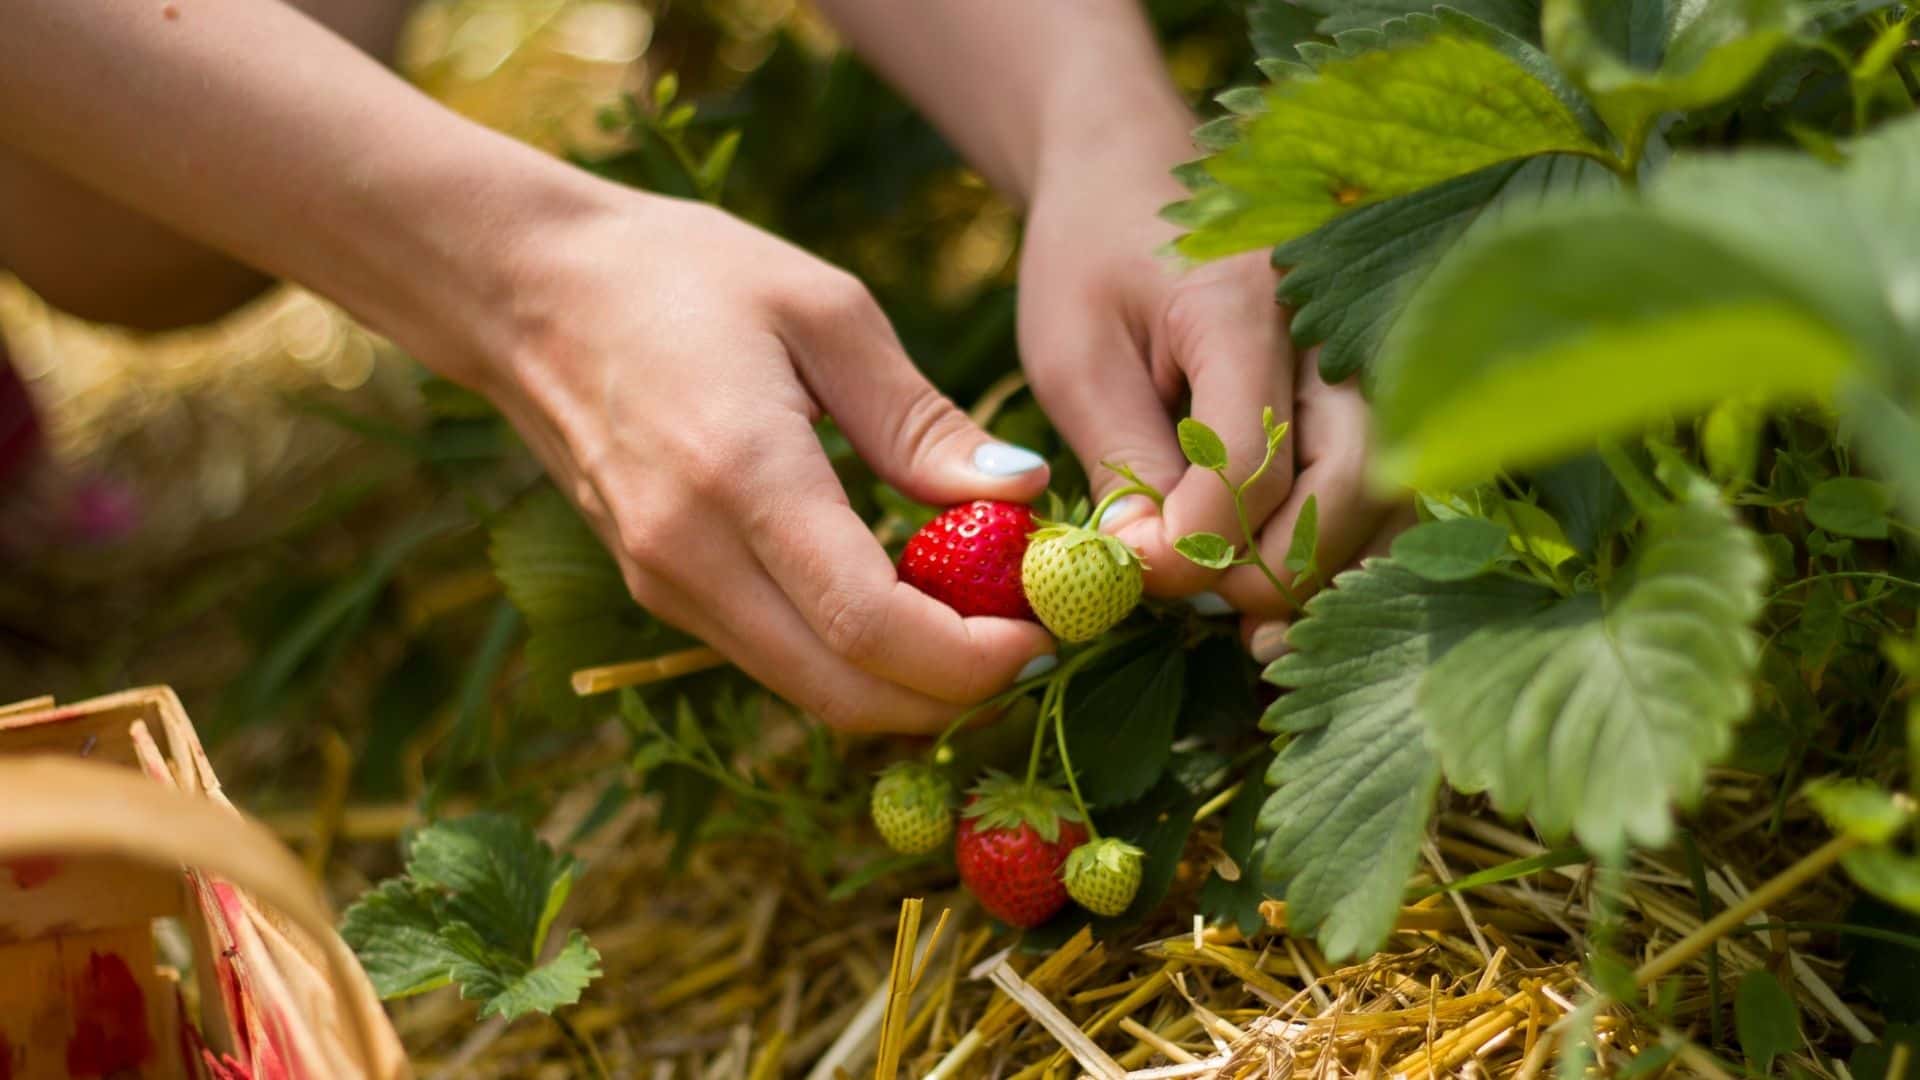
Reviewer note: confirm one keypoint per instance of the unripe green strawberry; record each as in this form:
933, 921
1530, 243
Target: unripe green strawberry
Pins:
1103, 876
912, 808
1079, 582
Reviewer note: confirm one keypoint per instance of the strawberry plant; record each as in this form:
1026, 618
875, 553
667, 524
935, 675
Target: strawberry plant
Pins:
1631, 285
475, 908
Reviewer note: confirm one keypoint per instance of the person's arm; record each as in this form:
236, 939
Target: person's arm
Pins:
1067, 108
665, 361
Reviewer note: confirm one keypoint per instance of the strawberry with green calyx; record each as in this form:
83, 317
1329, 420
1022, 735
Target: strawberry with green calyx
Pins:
1014, 837
912, 807
1079, 581
969, 558
1103, 875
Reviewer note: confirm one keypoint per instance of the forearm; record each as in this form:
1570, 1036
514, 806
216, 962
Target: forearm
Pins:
1020, 85
247, 126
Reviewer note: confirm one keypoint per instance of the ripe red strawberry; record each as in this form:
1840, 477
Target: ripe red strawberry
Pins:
969, 558
1014, 837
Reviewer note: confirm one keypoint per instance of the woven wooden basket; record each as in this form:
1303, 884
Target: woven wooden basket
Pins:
111, 818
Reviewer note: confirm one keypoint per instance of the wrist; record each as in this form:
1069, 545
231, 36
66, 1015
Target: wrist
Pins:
452, 265
1099, 129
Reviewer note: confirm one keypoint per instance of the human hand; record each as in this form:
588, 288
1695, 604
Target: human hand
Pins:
1115, 336
668, 367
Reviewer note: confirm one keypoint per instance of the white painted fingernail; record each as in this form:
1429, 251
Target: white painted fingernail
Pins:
1209, 604
1123, 510
1005, 459
1269, 643
1037, 667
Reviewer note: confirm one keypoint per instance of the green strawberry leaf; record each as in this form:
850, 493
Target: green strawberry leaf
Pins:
1452, 550
1210, 550
1514, 356
578, 612
1707, 53
1303, 547
1886, 971
1859, 809
1521, 18
1202, 445
1120, 727
500, 878
1583, 496
1891, 875
1850, 506
1461, 96
1765, 1019
510, 988
395, 932
1596, 714
1353, 787
1349, 280
475, 908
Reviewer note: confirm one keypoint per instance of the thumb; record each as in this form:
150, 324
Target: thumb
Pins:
912, 435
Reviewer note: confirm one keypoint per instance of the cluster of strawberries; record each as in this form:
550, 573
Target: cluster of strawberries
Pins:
1022, 847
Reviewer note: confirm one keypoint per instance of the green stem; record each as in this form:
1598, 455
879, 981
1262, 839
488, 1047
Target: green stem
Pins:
1253, 543
1059, 719
1047, 701
589, 1054
1114, 496
1641, 491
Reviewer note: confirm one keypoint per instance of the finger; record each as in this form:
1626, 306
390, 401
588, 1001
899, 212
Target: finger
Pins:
755, 627
1266, 639
826, 562
1225, 330
1332, 426
1090, 377
912, 435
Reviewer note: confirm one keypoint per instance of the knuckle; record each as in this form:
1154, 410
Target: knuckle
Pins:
926, 422
851, 625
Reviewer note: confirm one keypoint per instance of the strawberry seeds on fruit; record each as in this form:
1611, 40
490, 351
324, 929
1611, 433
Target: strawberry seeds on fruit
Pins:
969, 557
1014, 839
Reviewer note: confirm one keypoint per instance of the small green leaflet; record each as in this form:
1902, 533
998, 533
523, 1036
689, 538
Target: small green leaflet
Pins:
1304, 546
1712, 50
1447, 86
1210, 550
1850, 506
1452, 550
1765, 1019
475, 908
1354, 786
1593, 716
1201, 445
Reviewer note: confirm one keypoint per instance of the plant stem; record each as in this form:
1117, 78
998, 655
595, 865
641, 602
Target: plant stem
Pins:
1253, 543
1047, 701
1059, 719
1640, 490
1114, 496
589, 1054
1810, 866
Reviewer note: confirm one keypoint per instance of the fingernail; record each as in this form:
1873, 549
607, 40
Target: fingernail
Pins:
1123, 510
1209, 604
1037, 667
1269, 643
1006, 459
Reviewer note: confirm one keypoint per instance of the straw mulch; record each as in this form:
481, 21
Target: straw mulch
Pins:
738, 966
